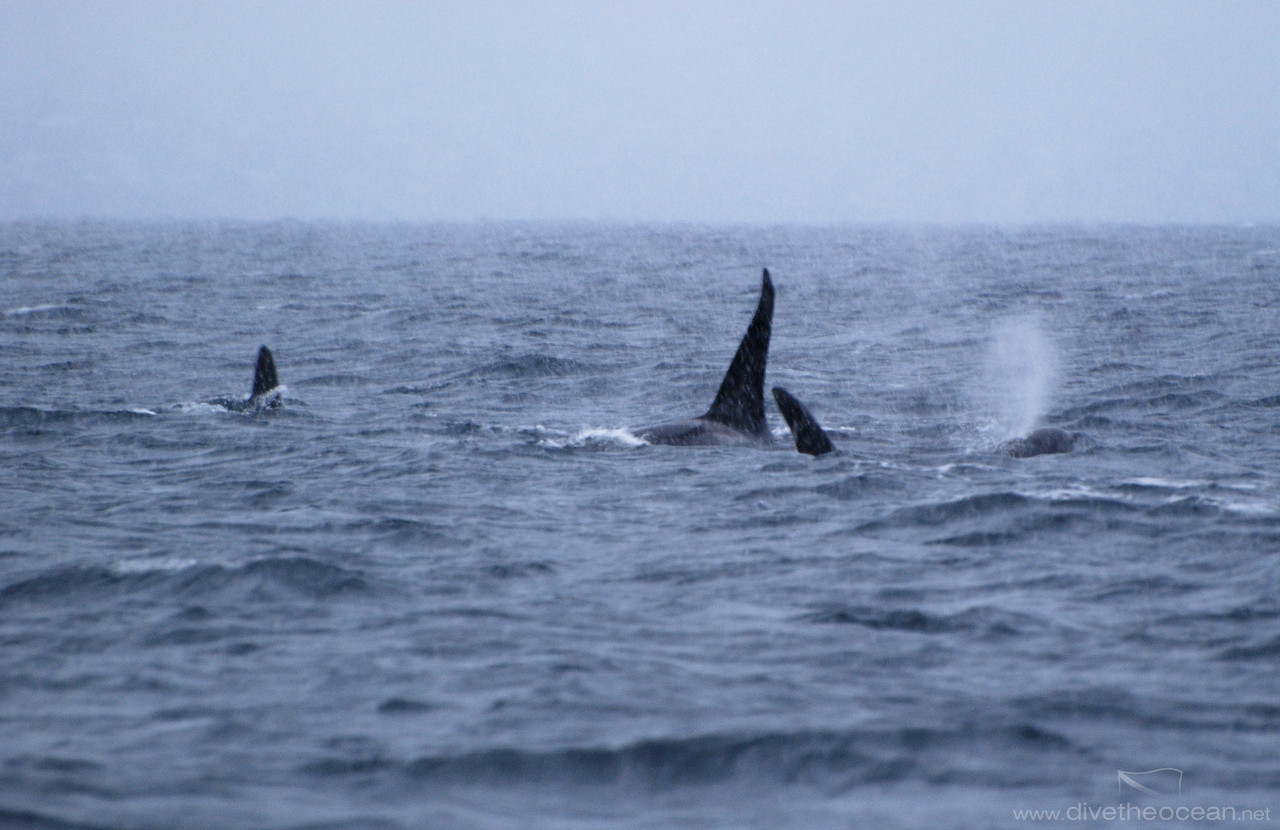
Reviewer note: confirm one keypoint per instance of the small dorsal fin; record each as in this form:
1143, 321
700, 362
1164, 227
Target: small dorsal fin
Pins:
264, 376
740, 402
810, 438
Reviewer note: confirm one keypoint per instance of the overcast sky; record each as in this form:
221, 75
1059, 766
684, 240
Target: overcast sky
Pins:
703, 111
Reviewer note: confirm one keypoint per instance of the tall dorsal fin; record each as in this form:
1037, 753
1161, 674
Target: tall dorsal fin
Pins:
264, 376
809, 436
740, 402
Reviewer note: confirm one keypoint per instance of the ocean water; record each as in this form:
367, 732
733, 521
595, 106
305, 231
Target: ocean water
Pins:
446, 586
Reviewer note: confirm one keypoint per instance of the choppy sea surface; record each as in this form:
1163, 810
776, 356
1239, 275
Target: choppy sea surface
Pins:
446, 586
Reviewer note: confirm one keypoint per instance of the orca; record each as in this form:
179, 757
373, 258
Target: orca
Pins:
266, 392
810, 439
1044, 441
737, 413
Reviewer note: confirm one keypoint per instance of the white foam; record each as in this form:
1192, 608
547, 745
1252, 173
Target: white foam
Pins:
166, 564
1170, 484
273, 397
34, 309
591, 437
198, 408
616, 436
1246, 508
1181, 492
1079, 491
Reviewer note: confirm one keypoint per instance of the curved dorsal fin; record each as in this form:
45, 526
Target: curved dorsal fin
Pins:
264, 376
810, 438
740, 402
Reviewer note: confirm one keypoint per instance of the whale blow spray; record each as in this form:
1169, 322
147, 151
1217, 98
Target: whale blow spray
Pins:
1020, 370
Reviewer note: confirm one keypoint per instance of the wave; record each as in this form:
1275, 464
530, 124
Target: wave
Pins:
1166, 392
270, 579
20, 819
1265, 650
1140, 498
70, 311
29, 417
1005, 517
857, 486
986, 621
397, 530
938, 513
1203, 497
531, 365
819, 758
31, 820
338, 380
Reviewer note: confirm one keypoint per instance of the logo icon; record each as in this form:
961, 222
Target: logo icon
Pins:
1163, 781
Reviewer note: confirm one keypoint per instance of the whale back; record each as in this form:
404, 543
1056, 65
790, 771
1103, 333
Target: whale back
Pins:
1045, 441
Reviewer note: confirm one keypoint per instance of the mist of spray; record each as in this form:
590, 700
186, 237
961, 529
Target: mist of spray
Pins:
1020, 371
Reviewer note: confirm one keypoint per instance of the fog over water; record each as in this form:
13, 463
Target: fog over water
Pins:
714, 112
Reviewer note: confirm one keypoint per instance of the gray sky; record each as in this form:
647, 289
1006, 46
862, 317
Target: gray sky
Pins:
704, 111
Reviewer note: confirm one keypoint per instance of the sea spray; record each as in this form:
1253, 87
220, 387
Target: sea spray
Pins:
1019, 374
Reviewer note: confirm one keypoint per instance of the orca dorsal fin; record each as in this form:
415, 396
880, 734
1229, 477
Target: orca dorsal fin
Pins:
740, 402
264, 376
810, 439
